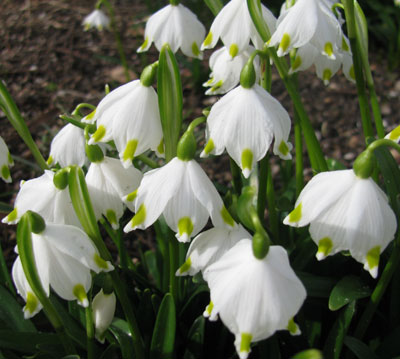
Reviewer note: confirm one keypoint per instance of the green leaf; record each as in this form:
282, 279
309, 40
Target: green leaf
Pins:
215, 6
71, 357
334, 343
361, 28
254, 7
120, 329
26, 342
316, 286
163, 340
169, 89
195, 339
309, 354
335, 165
348, 289
11, 313
360, 349
152, 265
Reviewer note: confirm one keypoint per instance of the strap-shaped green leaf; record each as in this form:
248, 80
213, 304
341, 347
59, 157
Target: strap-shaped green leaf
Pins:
163, 340
195, 339
348, 289
214, 5
309, 354
254, 7
169, 89
360, 349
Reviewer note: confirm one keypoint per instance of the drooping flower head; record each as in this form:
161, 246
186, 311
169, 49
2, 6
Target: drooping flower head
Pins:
346, 212
96, 19
177, 26
103, 312
5, 161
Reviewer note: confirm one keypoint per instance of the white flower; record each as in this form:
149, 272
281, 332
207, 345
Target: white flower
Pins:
226, 70
235, 27
177, 26
40, 195
5, 161
245, 121
33, 306
68, 147
209, 246
103, 312
254, 297
345, 212
308, 21
182, 192
129, 115
64, 256
96, 19
108, 183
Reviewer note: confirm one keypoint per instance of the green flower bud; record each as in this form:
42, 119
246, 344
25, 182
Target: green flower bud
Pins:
260, 245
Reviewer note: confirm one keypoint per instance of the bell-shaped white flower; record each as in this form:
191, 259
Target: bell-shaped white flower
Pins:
32, 306
40, 195
108, 183
129, 115
177, 26
103, 307
225, 73
245, 121
5, 161
64, 256
254, 297
235, 27
182, 192
96, 19
346, 212
209, 246
68, 147
308, 21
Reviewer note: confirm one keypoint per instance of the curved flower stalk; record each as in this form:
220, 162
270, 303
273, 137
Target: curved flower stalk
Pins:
96, 19
308, 21
129, 115
233, 25
5, 161
103, 307
177, 26
43, 197
346, 212
64, 256
254, 297
108, 183
209, 246
225, 73
68, 147
245, 121
183, 193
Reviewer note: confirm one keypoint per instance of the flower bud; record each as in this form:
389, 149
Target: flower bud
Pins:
37, 222
260, 245
248, 74
364, 164
148, 74
103, 312
60, 178
94, 153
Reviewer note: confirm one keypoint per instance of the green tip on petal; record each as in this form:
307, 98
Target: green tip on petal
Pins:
209, 308
233, 50
31, 304
144, 45
185, 266
131, 196
297, 63
217, 86
208, 40
112, 218
12, 216
326, 76
100, 262
247, 162
372, 261
295, 215
90, 115
185, 226
139, 217
209, 147
130, 149
195, 49
80, 294
10, 159
285, 42
5, 172
345, 47
395, 134
160, 147
226, 217
99, 134
50, 161
293, 328
328, 49
245, 342
352, 74
325, 246
283, 148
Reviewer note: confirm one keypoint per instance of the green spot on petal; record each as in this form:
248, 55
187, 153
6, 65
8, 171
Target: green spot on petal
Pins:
90, 115
100, 262
9, 159
227, 218
13, 215
31, 302
245, 342
345, 47
160, 147
195, 49
326, 76
130, 150
296, 63
233, 50
131, 196
285, 42
185, 225
328, 49
209, 146
373, 257
325, 246
50, 160
217, 86
99, 134
80, 293
352, 74
292, 327
185, 266
210, 308
283, 148
247, 159
111, 217
395, 134
296, 214
208, 39
139, 217
144, 45
5, 172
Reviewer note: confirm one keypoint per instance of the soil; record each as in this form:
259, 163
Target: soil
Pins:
50, 65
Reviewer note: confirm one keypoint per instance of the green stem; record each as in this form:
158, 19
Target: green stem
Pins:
5, 274
173, 265
10, 109
78, 108
266, 73
89, 332
272, 213
117, 38
262, 187
147, 161
236, 177
383, 142
298, 142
